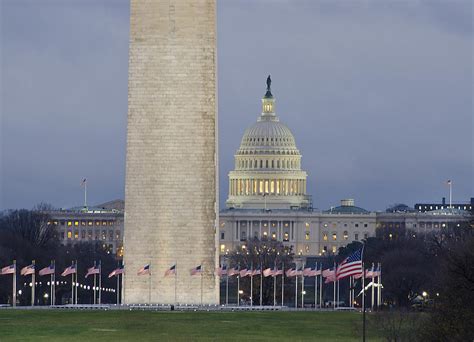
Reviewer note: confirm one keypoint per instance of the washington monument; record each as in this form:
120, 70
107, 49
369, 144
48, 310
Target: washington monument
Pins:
171, 190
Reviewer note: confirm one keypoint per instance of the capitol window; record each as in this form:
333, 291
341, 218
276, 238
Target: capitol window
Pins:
69, 223
69, 234
334, 249
285, 237
334, 236
89, 223
356, 236
325, 236
306, 236
76, 235
346, 235
222, 248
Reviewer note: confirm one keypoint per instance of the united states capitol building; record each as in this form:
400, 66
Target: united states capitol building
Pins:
268, 200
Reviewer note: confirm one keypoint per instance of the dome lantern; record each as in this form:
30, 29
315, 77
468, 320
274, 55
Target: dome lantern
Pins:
268, 101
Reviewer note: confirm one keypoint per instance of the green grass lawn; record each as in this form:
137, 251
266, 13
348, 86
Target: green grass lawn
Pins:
62, 325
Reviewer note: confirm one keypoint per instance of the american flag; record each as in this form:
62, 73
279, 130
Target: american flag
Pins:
377, 271
222, 270
276, 272
257, 271
244, 272
232, 271
171, 271
8, 270
83, 182
307, 272
144, 270
350, 266
93, 270
291, 272
370, 272
70, 270
47, 270
299, 271
196, 270
30, 269
329, 274
267, 272
116, 272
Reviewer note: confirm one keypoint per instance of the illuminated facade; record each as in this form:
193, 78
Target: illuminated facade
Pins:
102, 223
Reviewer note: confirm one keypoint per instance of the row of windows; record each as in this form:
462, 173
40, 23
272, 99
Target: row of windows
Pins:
83, 223
267, 186
99, 235
345, 236
436, 207
267, 164
334, 225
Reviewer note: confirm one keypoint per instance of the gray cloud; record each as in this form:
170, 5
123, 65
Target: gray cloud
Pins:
377, 94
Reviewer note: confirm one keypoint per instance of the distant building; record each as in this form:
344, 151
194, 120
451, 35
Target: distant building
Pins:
422, 207
102, 223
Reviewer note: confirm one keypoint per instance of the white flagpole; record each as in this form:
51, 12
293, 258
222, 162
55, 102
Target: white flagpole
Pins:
337, 302
282, 283
227, 284
238, 287
100, 282
14, 283
85, 193
315, 287
261, 284
202, 270
54, 283
450, 193
380, 286
72, 285
302, 287
350, 291
274, 284
334, 285
373, 283
75, 291
251, 285
118, 286
95, 284
296, 286
33, 284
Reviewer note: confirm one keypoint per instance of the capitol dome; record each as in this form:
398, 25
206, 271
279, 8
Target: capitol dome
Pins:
267, 171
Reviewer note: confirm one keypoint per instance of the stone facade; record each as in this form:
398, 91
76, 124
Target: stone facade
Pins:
171, 152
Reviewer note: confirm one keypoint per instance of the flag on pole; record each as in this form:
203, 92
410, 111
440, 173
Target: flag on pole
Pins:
70, 270
8, 270
449, 182
83, 182
171, 271
267, 272
220, 271
144, 270
291, 272
93, 270
330, 275
232, 271
47, 270
116, 272
299, 271
377, 271
350, 266
369, 273
244, 272
307, 271
257, 271
276, 272
30, 269
196, 270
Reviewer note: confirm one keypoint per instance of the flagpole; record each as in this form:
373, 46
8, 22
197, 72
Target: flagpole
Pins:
118, 299
33, 285
373, 283
321, 287
54, 282
95, 284
337, 301
296, 286
380, 285
202, 269
363, 295
72, 285
85, 193
227, 284
100, 282
14, 283
261, 284
315, 286
274, 284
77, 284
251, 285
282, 283
302, 287
350, 291
334, 286
450, 193
238, 287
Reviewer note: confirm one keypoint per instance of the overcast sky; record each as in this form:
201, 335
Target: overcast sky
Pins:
379, 96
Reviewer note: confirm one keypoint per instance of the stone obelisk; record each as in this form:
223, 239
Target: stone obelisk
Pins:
171, 193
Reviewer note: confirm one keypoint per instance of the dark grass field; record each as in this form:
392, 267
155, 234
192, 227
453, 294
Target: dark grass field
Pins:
61, 325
